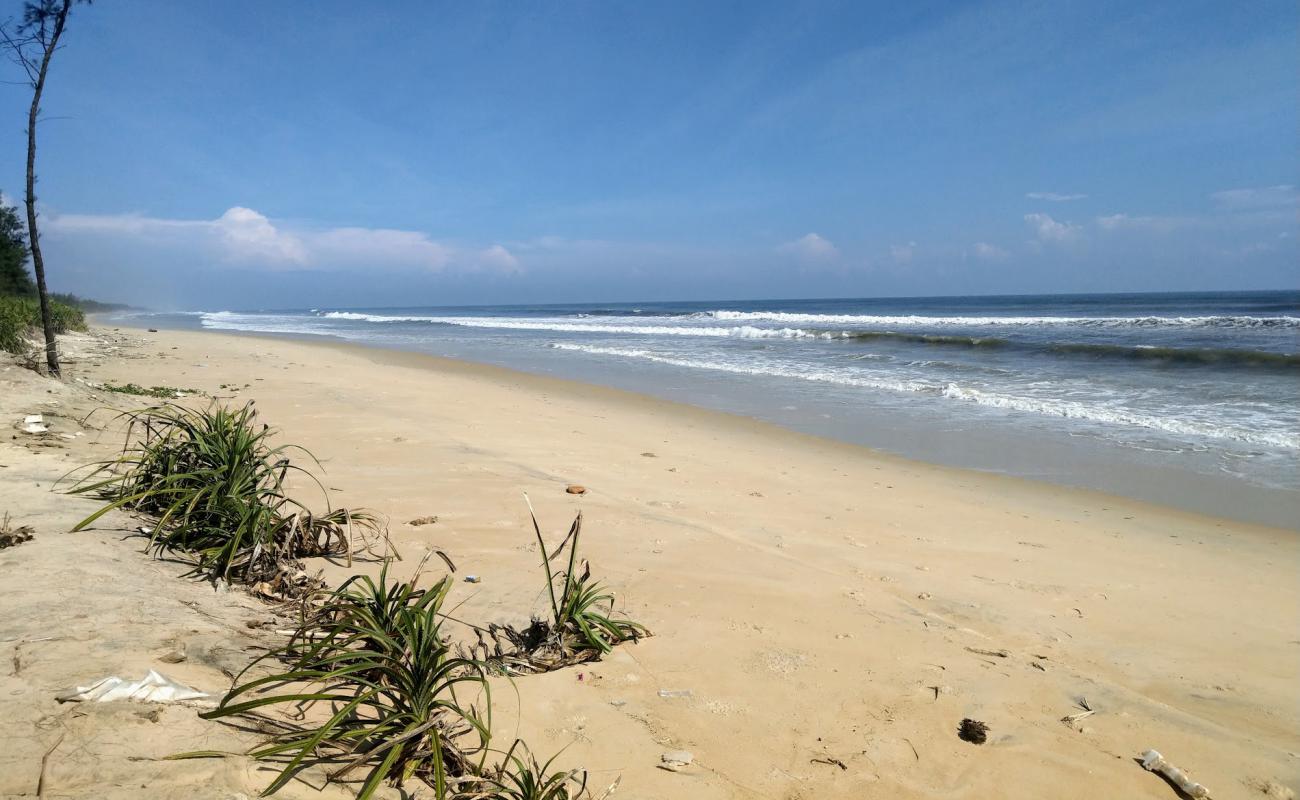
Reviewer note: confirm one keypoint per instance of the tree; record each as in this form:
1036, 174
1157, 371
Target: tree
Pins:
31, 44
13, 254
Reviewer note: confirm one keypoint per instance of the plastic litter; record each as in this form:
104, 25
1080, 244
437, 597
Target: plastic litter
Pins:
1152, 761
676, 760
152, 688
34, 423
473, 579
668, 693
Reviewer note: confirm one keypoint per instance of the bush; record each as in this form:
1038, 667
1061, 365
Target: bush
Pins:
13, 325
20, 320
65, 317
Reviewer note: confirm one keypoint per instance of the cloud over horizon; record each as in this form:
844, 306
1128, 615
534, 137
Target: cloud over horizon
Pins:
1054, 197
245, 237
1050, 230
989, 252
1258, 197
811, 246
247, 257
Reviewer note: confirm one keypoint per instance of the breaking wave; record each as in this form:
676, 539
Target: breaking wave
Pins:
867, 320
1050, 407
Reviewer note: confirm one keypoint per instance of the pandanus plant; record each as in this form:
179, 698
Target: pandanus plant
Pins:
216, 486
582, 609
370, 665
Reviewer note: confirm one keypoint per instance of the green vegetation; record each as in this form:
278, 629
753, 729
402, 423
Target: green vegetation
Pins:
13, 326
86, 305
14, 279
375, 652
217, 488
401, 704
521, 777
368, 684
582, 625
582, 610
20, 317
20, 310
161, 392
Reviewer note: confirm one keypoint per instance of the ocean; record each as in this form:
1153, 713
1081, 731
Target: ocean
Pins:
1186, 399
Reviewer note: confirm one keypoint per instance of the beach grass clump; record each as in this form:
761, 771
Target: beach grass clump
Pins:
582, 626
215, 484
371, 670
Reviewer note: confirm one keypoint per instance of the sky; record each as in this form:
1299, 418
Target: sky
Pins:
243, 154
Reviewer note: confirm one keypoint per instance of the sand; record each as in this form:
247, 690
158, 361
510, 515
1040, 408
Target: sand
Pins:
831, 611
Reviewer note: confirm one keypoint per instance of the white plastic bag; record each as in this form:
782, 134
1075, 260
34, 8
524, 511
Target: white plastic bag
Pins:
152, 688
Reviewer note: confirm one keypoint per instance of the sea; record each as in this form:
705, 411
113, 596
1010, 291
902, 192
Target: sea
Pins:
1187, 399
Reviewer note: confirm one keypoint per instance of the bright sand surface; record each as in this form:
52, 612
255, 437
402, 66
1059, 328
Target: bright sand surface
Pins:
819, 604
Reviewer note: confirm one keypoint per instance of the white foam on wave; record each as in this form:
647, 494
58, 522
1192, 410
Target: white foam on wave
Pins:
1043, 406
564, 325
690, 325
260, 323
1070, 409
352, 315
776, 370
1213, 321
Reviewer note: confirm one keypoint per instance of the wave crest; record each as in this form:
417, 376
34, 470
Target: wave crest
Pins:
1068, 409
1213, 321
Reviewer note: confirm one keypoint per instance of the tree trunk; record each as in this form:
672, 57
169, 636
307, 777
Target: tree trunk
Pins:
38, 263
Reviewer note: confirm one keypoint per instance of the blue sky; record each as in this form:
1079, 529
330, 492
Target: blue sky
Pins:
251, 154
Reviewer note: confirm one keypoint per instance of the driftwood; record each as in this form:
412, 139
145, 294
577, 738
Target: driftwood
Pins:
1152, 761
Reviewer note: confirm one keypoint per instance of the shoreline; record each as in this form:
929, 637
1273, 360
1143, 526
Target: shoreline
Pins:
1263, 507
840, 601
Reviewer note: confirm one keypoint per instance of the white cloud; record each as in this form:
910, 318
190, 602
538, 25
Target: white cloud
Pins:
902, 253
244, 236
250, 236
1054, 197
1049, 230
1256, 198
811, 246
498, 257
1120, 222
380, 246
989, 252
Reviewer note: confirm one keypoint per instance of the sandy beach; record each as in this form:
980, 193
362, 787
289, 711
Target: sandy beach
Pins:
824, 615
